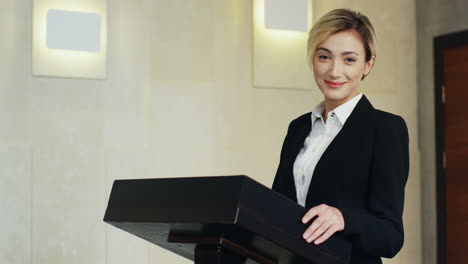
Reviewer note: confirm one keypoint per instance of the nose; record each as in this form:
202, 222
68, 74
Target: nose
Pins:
336, 69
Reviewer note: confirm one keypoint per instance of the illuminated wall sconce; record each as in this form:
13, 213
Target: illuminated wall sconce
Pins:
280, 32
70, 38
287, 15
73, 31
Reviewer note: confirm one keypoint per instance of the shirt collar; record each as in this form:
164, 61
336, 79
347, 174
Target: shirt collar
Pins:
342, 112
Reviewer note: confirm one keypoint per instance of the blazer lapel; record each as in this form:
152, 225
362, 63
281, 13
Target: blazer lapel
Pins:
302, 130
358, 120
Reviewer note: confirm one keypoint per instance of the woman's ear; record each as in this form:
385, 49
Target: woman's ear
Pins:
369, 65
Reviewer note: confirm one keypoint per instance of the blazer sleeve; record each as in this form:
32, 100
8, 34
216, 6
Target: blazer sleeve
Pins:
278, 181
378, 230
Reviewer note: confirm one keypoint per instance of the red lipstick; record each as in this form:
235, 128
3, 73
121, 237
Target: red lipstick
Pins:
334, 84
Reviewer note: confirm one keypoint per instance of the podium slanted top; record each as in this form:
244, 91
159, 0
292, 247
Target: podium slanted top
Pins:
234, 212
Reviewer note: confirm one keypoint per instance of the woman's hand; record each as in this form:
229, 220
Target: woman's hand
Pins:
329, 221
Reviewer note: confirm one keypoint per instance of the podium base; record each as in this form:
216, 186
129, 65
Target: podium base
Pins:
216, 254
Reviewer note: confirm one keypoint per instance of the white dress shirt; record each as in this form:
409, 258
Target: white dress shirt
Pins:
320, 136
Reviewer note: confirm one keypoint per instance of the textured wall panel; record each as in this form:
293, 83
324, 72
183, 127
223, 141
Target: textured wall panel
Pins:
15, 201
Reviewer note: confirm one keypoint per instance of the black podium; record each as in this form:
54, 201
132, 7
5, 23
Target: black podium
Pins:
219, 220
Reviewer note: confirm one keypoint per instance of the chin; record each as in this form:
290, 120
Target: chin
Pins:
335, 95
340, 94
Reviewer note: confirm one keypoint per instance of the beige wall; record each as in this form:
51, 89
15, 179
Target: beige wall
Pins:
435, 18
178, 101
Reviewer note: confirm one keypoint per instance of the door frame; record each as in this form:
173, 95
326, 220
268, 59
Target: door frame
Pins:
442, 43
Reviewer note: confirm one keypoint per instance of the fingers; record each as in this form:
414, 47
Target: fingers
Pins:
314, 211
329, 220
318, 227
330, 231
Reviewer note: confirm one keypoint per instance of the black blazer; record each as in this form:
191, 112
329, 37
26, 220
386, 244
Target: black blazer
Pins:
363, 173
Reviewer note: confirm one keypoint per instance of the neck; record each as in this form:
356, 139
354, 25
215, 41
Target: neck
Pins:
332, 104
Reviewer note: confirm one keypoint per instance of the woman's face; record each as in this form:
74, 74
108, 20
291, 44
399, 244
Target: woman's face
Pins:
339, 64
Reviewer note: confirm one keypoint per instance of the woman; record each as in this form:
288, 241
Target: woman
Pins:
346, 162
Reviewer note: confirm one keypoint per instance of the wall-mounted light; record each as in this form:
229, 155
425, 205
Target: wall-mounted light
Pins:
287, 15
70, 38
280, 44
69, 30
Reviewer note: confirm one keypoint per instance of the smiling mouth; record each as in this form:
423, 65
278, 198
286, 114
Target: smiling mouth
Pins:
334, 84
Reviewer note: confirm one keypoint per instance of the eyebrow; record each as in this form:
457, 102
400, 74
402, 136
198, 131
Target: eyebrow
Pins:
343, 53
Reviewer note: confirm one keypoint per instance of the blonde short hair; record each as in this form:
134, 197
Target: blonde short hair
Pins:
340, 20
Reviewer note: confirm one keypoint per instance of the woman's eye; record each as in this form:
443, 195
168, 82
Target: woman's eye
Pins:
350, 60
323, 57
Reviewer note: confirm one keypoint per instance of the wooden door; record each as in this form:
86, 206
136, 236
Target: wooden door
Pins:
452, 137
456, 153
